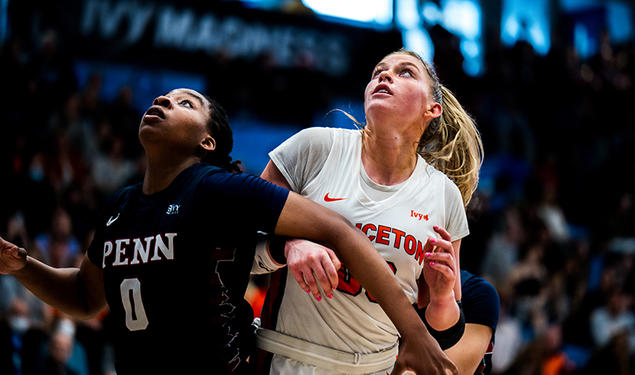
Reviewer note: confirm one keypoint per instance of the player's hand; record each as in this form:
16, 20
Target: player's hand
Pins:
422, 355
12, 258
439, 268
312, 264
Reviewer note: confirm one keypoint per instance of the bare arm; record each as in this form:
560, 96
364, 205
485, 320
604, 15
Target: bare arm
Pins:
272, 174
307, 261
456, 244
468, 352
78, 292
304, 218
437, 282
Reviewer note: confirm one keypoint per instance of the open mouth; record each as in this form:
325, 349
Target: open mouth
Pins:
382, 89
155, 111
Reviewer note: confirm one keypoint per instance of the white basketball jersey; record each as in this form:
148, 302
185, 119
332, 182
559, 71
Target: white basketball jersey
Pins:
324, 164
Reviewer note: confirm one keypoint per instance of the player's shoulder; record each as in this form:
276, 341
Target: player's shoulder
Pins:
318, 134
476, 284
480, 300
435, 175
121, 195
220, 184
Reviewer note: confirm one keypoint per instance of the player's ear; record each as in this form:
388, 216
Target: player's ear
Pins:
434, 110
208, 143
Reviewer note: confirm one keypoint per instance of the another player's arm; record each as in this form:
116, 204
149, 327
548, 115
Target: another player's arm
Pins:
469, 351
78, 292
301, 217
309, 263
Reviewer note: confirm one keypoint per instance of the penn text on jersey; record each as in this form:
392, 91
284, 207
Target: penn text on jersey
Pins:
141, 252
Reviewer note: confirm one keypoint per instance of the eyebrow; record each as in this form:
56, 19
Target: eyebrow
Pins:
190, 94
197, 97
411, 64
382, 65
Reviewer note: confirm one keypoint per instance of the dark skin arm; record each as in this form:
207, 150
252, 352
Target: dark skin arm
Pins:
309, 263
78, 292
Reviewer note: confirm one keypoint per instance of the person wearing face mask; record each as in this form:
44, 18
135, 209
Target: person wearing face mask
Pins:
18, 317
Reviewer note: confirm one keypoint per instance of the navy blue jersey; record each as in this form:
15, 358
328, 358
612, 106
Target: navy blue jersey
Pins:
481, 305
176, 266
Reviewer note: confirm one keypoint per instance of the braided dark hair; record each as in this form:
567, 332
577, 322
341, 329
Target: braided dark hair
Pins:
218, 127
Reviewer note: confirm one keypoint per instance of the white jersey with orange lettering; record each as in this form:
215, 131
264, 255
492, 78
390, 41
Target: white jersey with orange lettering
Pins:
324, 164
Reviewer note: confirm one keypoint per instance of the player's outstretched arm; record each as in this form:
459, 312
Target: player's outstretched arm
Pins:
304, 218
78, 292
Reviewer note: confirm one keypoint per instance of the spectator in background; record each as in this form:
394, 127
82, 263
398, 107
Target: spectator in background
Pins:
509, 337
60, 349
20, 341
502, 250
52, 73
79, 129
39, 314
59, 246
63, 354
613, 318
613, 358
125, 120
91, 105
112, 170
551, 213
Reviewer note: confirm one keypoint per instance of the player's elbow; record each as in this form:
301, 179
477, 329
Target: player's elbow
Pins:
85, 314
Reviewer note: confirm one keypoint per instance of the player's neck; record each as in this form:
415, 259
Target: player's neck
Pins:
159, 175
388, 159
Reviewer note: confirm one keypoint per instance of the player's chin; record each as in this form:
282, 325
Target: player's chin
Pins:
149, 134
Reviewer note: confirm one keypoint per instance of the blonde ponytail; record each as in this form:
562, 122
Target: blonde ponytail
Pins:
453, 145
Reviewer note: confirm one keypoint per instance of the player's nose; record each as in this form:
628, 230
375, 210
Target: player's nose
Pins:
163, 101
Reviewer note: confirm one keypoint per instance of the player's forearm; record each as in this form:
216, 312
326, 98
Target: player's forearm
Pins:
58, 287
442, 313
469, 351
372, 271
303, 218
458, 293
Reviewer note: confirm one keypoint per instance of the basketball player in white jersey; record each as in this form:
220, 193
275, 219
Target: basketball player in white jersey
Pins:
403, 180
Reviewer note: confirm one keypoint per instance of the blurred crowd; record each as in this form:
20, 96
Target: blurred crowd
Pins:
552, 223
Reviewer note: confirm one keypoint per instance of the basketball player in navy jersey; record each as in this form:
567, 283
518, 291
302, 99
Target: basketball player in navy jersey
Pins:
171, 255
